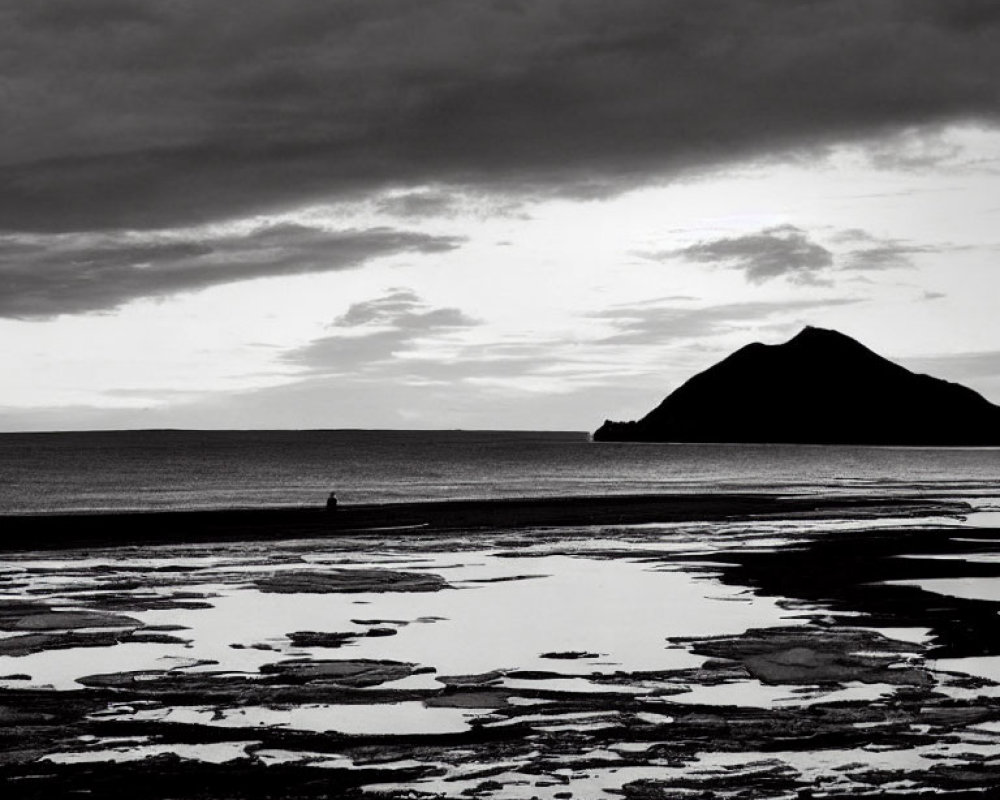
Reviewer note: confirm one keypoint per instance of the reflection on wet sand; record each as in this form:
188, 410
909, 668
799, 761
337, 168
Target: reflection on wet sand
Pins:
751, 657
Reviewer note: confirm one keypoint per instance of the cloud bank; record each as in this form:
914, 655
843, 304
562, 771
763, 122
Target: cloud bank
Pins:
132, 114
51, 275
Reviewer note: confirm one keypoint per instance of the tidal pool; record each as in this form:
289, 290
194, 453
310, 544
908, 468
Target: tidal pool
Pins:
623, 610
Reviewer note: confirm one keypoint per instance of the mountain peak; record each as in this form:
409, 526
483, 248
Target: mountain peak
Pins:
812, 332
819, 387
812, 335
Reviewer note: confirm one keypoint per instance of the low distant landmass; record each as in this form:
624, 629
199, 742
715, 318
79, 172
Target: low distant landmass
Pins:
820, 387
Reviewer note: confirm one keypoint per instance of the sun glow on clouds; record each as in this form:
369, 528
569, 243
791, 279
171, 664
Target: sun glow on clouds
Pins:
438, 305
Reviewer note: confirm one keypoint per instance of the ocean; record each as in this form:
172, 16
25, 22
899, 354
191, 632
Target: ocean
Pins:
147, 470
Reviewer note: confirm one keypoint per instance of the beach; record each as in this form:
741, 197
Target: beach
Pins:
77, 530
645, 646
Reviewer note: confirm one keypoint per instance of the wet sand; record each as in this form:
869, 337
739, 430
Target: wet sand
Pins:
671, 647
40, 531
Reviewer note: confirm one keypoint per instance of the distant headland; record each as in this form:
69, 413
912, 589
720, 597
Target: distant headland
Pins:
820, 387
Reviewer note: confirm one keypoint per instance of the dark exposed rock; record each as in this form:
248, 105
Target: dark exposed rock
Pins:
356, 673
957, 776
381, 632
857, 571
124, 601
400, 622
819, 387
151, 637
320, 639
12, 610
167, 776
466, 699
810, 655
30, 615
484, 789
535, 675
482, 679
504, 578
333, 581
570, 654
336, 638
64, 640
279, 686
38, 642
762, 779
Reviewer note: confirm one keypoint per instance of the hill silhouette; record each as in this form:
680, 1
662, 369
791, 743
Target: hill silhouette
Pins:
820, 387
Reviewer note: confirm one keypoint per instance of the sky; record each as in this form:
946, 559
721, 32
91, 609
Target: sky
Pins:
481, 214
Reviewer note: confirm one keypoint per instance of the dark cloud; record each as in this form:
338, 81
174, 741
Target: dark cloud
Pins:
43, 276
783, 251
650, 324
128, 114
374, 332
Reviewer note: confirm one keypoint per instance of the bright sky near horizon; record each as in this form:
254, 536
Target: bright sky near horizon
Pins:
472, 214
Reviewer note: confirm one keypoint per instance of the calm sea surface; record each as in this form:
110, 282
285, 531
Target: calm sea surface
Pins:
223, 469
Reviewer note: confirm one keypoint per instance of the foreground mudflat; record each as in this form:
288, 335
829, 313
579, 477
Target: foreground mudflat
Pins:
831, 652
34, 532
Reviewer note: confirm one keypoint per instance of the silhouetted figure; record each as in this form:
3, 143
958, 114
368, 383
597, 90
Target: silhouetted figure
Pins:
331, 502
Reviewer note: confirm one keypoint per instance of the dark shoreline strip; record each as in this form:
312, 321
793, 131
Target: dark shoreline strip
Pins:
55, 531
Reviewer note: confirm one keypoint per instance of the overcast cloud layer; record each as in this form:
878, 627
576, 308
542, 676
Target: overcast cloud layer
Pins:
138, 114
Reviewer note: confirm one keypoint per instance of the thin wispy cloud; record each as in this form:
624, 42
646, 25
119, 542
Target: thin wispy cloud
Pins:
789, 252
373, 332
867, 252
643, 324
891, 255
962, 367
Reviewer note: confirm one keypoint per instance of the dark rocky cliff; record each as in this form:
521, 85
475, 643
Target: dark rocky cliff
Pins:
820, 387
